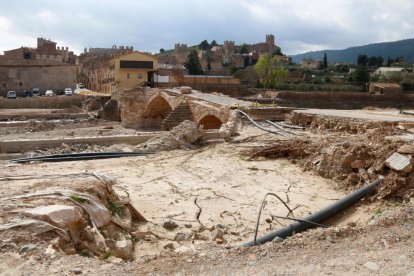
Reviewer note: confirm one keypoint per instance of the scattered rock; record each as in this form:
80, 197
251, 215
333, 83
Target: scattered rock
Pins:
170, 224
115, 260
399, 162
185, 89
123, 249
217, 234
77, 270
277, 240
182, 236
372, 266
219, 226
27, 248
219, 241
188, 225
169, 245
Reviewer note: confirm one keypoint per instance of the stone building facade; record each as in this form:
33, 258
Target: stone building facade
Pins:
44, 67
109, 73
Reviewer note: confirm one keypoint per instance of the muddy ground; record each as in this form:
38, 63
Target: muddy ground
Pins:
221, 184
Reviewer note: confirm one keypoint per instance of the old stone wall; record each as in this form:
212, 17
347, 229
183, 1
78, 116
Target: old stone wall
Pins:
19, 78
188, 80
43, 102
342, 100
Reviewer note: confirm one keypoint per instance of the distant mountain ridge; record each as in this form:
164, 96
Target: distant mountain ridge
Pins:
404, 48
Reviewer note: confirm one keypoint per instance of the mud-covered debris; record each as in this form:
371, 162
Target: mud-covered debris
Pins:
390, 185
283, 149
232, 126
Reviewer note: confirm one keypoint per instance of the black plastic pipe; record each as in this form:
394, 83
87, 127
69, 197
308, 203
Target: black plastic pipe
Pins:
319, 216
78, 156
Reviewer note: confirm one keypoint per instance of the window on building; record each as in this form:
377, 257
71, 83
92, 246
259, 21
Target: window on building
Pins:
27, 55
139, 76
128, 75
4, 84
20, 84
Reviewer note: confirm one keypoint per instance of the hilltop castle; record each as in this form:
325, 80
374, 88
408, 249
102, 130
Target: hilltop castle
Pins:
220, 56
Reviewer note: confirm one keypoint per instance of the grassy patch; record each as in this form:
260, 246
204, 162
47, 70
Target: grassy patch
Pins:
77, 198
107, 255
114, 207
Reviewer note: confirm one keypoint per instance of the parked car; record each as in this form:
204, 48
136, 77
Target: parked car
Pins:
49, 93
11, 94
36, 92
68, 91
27, 93
60, 92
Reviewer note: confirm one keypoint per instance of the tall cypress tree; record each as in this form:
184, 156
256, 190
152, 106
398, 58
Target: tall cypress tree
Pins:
193, 63
325, 61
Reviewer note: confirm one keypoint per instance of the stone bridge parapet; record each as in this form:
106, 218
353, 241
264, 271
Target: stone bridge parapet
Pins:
148, 108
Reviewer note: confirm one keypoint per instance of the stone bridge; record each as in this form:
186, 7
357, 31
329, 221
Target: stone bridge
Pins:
165, 108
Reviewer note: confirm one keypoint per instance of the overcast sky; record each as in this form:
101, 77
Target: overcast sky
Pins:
298, 25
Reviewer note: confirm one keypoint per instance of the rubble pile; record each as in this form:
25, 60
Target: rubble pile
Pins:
85, 217
353, 164
182, 136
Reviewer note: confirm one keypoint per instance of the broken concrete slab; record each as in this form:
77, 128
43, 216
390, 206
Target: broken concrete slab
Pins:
57, 215
35, 226
399, 162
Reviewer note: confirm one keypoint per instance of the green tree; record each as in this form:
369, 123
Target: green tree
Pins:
268, 74
362, 60
325, 61
203, 45
193, 63
243, 49
360, 74
213, 43
162, 50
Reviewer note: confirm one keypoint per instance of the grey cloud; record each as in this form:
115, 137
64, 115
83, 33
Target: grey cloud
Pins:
150, 25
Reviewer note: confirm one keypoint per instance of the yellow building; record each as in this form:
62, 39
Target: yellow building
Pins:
130, 70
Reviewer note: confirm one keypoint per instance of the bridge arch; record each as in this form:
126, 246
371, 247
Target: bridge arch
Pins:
210, 122
156, 111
